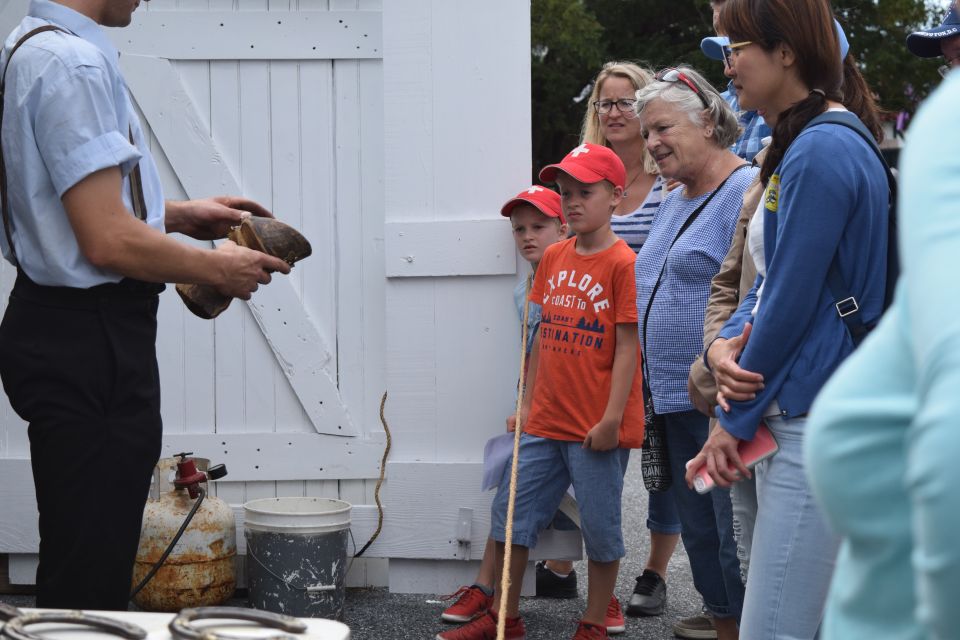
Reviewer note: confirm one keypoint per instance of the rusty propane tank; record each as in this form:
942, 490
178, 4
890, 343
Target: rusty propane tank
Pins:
199, 570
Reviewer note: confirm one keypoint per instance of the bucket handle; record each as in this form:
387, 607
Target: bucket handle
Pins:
317, 588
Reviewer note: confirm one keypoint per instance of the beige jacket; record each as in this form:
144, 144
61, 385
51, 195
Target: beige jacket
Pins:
734, 280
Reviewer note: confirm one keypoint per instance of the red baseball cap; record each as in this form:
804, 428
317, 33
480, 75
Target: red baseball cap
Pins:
589, 163
547, 202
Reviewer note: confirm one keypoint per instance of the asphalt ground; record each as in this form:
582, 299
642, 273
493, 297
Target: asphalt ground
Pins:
375, 614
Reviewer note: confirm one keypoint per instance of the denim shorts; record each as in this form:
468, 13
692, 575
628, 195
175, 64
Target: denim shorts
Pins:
546, 469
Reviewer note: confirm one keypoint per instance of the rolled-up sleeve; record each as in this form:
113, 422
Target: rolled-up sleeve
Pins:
78, 130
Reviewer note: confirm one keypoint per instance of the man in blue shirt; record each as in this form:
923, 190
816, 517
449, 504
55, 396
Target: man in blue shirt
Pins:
85, 224
750, 142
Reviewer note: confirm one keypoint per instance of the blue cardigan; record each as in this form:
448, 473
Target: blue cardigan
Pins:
827, 198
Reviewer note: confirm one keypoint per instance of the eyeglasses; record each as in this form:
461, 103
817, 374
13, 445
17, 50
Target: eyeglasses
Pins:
728, 50
675, 75
626, 106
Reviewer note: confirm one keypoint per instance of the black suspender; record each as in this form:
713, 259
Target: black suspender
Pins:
136, 181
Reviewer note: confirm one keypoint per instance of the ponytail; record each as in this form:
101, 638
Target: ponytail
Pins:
789, 125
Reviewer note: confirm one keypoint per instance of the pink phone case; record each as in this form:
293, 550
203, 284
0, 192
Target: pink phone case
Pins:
752, 452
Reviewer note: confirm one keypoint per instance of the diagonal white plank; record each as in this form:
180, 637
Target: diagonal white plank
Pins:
294, 339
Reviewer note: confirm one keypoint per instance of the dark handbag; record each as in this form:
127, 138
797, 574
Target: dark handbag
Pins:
654, 461
654, 457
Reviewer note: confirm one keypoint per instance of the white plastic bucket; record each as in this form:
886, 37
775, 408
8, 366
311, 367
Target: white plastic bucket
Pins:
297, 555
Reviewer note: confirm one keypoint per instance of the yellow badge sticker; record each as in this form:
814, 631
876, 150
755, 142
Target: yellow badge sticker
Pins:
771, 197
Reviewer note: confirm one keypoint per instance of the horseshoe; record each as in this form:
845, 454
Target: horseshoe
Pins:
181, 628
15, 629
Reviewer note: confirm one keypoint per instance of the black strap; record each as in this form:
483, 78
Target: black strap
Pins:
845, 302
4, 204
136, 181
656, 287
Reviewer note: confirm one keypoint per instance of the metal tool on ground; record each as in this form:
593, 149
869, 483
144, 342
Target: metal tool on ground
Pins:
181, 627
188, 541
16, 627
266, 235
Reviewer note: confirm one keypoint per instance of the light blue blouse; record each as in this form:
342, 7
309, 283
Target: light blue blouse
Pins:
67, 114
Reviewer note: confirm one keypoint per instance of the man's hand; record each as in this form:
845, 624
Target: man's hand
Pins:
723, 461
512, 419
210, 218
244, 270
733, 382
604, 435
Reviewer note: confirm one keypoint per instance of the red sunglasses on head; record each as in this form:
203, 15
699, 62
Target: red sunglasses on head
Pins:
675, 75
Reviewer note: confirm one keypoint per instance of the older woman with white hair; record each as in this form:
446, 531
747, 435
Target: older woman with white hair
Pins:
689, 129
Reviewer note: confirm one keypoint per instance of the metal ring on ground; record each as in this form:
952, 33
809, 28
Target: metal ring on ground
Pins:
15, 629
181, 628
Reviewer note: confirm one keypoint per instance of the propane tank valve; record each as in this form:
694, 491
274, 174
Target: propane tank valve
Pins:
189, 477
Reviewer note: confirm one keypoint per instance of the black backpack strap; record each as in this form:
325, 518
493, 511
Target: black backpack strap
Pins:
4, 204
845, 302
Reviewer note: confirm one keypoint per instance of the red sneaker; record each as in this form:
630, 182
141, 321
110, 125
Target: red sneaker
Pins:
614, 621
485, 628
471, 603
587, 631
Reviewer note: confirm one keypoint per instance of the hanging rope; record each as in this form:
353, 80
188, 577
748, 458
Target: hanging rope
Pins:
383, 470
511, 500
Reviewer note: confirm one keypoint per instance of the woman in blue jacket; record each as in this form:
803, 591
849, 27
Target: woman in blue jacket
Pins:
825, 204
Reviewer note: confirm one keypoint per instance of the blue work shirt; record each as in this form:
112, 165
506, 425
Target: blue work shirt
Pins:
67, 114
755, 129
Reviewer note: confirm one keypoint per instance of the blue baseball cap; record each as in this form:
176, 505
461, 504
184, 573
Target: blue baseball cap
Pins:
926, 44
713, 47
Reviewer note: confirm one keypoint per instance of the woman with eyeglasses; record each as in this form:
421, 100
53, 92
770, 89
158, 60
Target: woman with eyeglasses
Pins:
689, 129
821, 229
611, 119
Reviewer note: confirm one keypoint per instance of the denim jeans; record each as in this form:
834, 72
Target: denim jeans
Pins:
743, 498
706, 519
662, 516
793, 552
545, 470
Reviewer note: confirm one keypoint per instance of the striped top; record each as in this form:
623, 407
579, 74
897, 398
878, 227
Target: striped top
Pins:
634, 227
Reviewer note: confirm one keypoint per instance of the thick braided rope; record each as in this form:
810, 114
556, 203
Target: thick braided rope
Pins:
508, 534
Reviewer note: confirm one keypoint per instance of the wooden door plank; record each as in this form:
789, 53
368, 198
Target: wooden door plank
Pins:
303, 357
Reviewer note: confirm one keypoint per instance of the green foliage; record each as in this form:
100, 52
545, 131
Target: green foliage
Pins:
567, 47
572, 38
877, 32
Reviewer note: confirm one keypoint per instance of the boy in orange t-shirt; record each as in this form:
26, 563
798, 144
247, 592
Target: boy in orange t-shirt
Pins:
583, 409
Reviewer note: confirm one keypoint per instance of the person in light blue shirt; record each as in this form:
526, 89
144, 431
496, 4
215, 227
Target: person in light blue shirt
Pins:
85, 224
883, 442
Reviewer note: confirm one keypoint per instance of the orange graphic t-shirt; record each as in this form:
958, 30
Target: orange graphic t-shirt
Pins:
583, 299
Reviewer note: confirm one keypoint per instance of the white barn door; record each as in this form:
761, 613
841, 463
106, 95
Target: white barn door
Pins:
281, 101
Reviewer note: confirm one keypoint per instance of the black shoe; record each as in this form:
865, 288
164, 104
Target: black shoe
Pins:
550, 585
649, 596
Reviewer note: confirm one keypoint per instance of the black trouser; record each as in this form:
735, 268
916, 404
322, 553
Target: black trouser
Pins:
80, 367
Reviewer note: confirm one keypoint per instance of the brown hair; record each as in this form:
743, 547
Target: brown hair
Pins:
806, 26
859, 99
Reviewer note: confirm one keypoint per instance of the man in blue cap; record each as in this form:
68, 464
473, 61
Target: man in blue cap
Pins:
939, 41
750, 142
